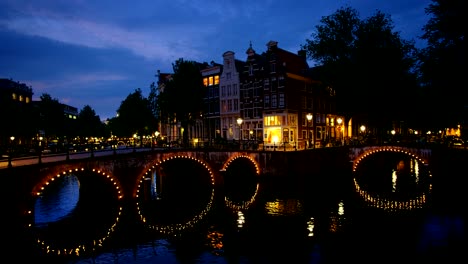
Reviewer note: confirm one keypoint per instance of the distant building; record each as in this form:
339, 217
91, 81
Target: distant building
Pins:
211, 129
16, 109
277, 93
230, 95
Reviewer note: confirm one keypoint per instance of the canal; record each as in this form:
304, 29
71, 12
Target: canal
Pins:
391, 208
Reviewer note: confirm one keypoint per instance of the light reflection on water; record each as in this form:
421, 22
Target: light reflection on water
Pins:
56, 202
290, 227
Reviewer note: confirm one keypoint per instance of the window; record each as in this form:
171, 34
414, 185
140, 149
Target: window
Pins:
234, 89
266, 101
223, 91
236, 105
273, 120
223, 106
228, 76
250, 69
319, 132
281, 100
216, 79
273, 67
273, 100
274, 84
205, 81
266, 84
210, 80
229, 105
229, 90
303, 102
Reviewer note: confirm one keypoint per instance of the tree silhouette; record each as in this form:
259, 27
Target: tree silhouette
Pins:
368, 64
444, 63
182, 98
134, 117
90, 124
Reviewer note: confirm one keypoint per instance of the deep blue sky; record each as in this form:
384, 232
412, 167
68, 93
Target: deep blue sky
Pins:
98, 52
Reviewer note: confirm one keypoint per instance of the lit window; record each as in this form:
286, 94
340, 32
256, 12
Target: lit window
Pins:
28, 100
13, 95
205, 81
210, 80
216, 81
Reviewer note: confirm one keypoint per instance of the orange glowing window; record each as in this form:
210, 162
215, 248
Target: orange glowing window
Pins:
205, 81
216, 80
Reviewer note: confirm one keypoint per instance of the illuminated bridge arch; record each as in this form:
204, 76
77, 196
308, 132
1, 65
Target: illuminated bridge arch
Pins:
420, 155
173, 229
85, 246
252, 159
358, 154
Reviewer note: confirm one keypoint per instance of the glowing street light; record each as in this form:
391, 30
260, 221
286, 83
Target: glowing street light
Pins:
339, 120
239, 122
309, 118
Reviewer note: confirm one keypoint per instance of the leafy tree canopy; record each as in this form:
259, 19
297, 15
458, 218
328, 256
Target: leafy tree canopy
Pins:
90, 124
368, 64
134, 116
444, 62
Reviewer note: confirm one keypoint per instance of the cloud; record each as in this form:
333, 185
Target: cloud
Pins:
59, 86
156, 44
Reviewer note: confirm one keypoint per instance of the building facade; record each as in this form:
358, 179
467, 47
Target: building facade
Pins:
230, 96
17, 112
211, 112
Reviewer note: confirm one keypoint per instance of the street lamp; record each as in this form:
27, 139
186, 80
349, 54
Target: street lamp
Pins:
363, 130
339, 120
239, 122
309, 118
134, 142
11, 152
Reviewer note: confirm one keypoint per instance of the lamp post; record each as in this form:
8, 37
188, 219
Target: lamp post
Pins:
239, 122
156, 134
11, 151
339, 120
134, 142
363, 131
309, 118
40, 149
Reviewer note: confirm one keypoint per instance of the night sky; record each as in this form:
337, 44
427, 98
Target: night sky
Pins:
98, 52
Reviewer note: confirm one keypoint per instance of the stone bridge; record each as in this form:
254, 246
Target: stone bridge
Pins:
356, 154
125, 171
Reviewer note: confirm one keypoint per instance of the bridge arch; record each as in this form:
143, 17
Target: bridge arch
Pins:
234, 157
358, 154
81, 246
177, 228
421, 155
245, 204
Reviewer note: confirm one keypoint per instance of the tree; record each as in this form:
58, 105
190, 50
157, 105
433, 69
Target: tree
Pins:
443, 63
368, 64
182, 99
51, 116
134, 116
90, 124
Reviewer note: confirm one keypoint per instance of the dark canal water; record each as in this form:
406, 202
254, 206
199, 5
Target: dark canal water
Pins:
391, 209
